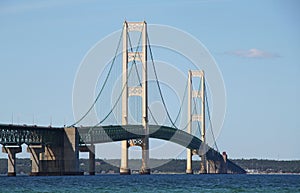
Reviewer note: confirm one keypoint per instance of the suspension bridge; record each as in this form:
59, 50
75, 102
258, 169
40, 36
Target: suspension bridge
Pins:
125, 116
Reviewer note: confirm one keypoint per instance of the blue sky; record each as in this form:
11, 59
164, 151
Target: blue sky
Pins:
255, 43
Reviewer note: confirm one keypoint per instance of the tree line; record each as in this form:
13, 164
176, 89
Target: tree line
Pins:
168, 166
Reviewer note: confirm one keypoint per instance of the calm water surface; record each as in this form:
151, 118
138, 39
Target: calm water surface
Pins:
152, 183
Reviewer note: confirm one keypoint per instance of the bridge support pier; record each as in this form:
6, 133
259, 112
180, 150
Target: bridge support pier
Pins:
224, 163
51, 160
189, 169
203, 165
56, 159
11, 161
211, 167
35, 151
91, 150
124, 170
145, 156
71, 151
216, 167
92, 160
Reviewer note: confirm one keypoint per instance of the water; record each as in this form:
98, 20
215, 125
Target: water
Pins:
153, 183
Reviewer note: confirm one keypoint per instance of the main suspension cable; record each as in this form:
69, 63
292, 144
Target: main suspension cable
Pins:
159, 88
105, 81
211, 126
114, 106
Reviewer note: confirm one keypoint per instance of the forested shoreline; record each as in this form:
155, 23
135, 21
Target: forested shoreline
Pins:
169, 166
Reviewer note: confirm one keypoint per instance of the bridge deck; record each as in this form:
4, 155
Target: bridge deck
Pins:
110, 133
19, 134
30, 134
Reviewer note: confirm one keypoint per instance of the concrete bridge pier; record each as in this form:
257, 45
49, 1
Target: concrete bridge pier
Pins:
124, 170
56, 159
35, 151
217, 166
211, 167
145, 156
203, 165
51, 160
189, 169
224, 163
92, 160
71, 151
91, 150
11, 161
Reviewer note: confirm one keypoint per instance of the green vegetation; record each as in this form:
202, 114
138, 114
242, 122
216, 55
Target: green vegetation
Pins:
269, 166
169, 166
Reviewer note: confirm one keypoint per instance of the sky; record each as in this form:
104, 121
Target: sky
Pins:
255, 43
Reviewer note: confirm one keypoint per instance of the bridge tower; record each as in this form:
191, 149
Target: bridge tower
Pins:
200, 93
141, 90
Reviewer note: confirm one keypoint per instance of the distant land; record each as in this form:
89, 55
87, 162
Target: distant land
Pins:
252, 166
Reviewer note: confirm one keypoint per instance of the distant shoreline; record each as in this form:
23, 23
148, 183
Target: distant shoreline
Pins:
174, 166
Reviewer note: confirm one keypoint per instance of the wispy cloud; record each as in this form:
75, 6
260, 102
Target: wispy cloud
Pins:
253, 53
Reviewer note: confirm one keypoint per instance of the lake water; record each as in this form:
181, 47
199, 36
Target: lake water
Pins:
152, 183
